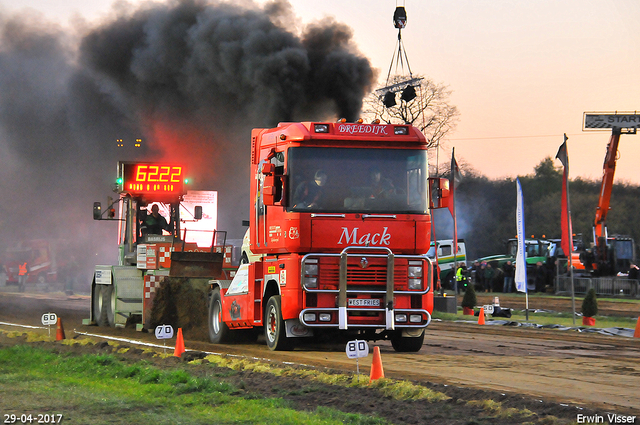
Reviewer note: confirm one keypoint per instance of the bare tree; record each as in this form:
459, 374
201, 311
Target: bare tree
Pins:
430, 111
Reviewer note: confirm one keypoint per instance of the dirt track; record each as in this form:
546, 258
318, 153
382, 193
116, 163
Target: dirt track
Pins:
564, 367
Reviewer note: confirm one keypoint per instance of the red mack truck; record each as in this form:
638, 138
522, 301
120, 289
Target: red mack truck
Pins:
339, 231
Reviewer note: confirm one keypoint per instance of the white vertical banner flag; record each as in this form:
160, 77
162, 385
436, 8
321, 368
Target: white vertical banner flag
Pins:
521, 263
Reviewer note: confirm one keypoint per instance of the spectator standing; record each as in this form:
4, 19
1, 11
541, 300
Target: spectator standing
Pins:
541, 276
488, 278
509, 272
23, 273
480, 276
461, 276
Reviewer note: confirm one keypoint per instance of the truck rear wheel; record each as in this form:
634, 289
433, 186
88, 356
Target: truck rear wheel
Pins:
407, 344
218, 330
274, 327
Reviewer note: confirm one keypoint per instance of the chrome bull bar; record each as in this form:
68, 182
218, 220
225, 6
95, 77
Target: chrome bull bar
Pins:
389, 292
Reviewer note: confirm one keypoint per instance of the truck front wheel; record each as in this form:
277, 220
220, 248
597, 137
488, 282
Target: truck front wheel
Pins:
274, 326
407, 344
218, 330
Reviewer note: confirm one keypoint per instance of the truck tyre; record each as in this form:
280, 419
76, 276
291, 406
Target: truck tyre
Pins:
218, 330
274, 327
104, 301
407, 344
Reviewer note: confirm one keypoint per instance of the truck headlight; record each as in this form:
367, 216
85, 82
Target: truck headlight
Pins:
325, 317
401, 318
414, 271
415, 283
311, 269
309, 317
311, 282
311, 274
415, 318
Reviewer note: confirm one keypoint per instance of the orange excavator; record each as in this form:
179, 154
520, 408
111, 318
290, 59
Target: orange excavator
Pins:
610, 254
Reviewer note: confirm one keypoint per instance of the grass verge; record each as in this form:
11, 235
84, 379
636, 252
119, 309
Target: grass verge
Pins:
102, 389
84, 384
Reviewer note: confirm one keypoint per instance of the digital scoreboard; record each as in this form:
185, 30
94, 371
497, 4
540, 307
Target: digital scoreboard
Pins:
140, 178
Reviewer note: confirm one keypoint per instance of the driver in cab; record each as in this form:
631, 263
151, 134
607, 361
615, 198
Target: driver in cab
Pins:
154, 223
308, 194
381, 187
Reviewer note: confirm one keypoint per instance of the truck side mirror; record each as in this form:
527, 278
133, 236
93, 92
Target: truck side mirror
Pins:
197, 212
268, 169
269, 189
439, 193
97, 211
274, 190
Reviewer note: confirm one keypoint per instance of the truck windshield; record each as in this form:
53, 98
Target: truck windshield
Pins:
347, 180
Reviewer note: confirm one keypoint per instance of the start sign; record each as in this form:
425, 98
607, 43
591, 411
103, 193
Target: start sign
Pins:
597, 120
356, 349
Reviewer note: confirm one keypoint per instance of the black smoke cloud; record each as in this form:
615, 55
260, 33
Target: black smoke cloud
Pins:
190, 78
225, 64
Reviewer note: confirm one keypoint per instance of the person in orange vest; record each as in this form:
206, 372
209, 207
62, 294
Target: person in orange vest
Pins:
23, 272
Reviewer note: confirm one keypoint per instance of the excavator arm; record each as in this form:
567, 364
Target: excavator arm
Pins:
602, 210
609, 254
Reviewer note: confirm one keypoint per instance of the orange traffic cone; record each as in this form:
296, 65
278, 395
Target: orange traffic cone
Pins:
481, 317
636, 334
179, 344
59, 330
377, 371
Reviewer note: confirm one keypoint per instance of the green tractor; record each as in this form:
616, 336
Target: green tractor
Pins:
542, 251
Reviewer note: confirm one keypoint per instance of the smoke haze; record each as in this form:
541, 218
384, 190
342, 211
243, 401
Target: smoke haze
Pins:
189, 78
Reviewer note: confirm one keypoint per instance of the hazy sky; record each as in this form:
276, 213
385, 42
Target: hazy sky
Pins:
522, 72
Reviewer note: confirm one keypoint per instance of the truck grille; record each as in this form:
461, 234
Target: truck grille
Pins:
363, 296
374, 276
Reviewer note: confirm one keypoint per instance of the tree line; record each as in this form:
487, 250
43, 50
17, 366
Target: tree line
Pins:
485, 209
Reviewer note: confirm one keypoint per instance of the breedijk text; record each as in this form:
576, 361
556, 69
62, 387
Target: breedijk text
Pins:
362, 129
366, 239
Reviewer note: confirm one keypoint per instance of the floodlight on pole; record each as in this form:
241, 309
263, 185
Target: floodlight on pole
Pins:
408, 94
389, 99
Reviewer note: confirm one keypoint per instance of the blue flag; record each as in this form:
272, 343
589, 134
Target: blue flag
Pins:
521, 262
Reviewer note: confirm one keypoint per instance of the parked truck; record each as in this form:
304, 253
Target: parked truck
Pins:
447, 261
39, 257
